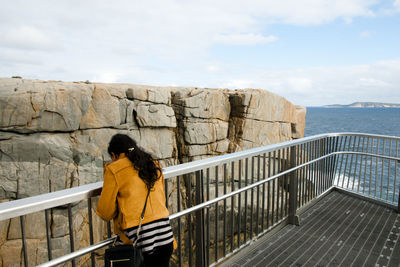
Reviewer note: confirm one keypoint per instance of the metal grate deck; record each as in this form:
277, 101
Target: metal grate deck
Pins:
339, 230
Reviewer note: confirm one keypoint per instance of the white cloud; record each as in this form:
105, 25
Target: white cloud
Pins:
245, 39
27, 37
107, 77
327, 85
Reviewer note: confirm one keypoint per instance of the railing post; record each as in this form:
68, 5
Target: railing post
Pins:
398, 204
293, 188
200, 252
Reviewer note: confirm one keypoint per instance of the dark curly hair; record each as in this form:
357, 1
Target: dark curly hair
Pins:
142, 161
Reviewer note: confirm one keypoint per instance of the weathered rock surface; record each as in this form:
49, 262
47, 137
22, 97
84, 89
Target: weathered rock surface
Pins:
54, 135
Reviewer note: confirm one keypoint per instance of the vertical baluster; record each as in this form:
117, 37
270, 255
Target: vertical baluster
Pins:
24, 248
246, 174
335, 146
315, 174
394, 182
263, 194
224, 231
287, 181
166, 193
332, 149
370, 167
258, 193
284, 181
91, 229
341, 161
337, 157
376, 165
318, 146
303, 174
199, 220
216, 215
395, 175
365, 164
314, 169
309, 167
239, 203
71, 233
388, 180
293, 188
208, 218
331, 160
355, 165
48, 234
325, 165
252, 199
281, 181
383, 166
345, 165
273, 190
269, 189
322, 164
319, 166
308, 172
338, 147
190, 225
299, 174
232, 203
178, 197
351, 163
361, 161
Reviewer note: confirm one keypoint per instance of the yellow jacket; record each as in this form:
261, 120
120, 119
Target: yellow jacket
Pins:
123, 196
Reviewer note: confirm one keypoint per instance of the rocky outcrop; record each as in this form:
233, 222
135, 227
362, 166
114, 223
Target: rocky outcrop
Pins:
54, 135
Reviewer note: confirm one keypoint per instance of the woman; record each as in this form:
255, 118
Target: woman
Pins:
127, 180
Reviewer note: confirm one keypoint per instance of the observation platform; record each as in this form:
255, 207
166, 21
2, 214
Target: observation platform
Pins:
339, 230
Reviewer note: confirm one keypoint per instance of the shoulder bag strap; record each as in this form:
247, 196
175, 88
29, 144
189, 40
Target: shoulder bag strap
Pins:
141, 218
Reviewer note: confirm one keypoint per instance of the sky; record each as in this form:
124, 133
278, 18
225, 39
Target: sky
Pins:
312, 52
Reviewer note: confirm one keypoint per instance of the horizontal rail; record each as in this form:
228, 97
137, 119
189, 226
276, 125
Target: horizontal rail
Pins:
79, 253
368, 154
55, 199
189, 167
28, 205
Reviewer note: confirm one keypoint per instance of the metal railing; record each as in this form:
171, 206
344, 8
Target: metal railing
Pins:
219, 205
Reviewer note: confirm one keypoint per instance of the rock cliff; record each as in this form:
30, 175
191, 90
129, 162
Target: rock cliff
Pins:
54, 135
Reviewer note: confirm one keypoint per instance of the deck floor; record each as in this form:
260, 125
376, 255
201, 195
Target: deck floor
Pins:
339, 230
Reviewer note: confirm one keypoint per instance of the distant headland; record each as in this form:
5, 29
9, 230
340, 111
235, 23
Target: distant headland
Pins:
364, 105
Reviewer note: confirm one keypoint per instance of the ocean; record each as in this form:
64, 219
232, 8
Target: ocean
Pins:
384, 121
380, 121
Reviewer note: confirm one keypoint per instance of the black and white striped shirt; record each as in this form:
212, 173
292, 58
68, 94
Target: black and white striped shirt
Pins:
153, 234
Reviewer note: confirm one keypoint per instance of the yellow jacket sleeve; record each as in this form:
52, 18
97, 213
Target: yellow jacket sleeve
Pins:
107, 206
